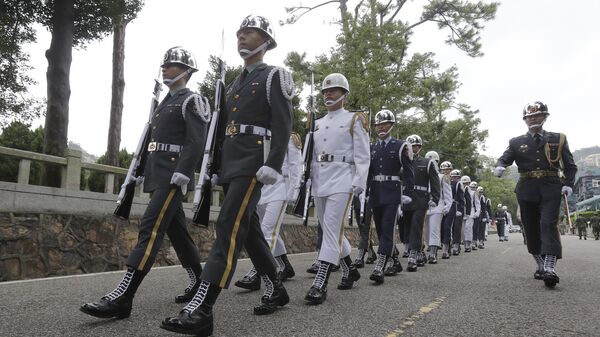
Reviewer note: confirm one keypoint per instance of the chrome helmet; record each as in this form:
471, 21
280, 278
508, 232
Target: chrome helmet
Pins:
262, 24
180, 55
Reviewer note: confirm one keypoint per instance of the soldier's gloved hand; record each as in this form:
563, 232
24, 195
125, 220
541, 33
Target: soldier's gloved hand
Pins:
445, 211
432, 203
267, 175
139, 180
458, 213
499, 170
214, 180
484, 219
566, 190
180, 180
405, 199
357, 190
399, 210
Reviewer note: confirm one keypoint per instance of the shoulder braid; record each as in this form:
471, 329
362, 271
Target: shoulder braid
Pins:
286, 81
362, 118
200, 106
296, 140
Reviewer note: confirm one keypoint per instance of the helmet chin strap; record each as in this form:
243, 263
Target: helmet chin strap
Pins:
246, 53
168, 81
536, 126
330, 102
385, 134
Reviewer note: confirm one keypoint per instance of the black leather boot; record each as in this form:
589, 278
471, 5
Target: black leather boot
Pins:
117, 303
190, 291
288, 271
360, 259
250, 281
372, 256
378, 274
350, 274
196, 318
318, 291
275, 296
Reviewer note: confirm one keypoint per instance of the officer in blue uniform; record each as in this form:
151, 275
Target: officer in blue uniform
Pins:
425, 194
541, 156
391, 165
253, 131
178, 132
454, 216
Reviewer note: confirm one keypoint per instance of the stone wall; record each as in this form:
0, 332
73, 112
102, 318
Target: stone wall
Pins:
41, 245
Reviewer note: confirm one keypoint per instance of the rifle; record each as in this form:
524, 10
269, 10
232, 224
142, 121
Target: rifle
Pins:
303, 200
202, 192
365, 199
567, 213
136, 168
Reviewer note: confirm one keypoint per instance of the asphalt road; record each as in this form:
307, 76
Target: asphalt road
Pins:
489, 292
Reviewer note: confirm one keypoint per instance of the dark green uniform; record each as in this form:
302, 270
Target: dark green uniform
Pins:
595, 223
248, 112
581, 227
539, 188
176, 145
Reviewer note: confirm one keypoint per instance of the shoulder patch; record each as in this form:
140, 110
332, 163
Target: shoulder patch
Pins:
296, 140
362, 118
197, 104
286, 83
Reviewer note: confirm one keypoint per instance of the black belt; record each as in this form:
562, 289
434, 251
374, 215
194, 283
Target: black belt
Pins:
162, 147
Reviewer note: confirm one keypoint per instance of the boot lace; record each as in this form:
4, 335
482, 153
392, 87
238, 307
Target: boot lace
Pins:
198, 298
122, 287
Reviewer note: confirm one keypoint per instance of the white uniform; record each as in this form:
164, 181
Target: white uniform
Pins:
435, 214
273, 200
341, 157
508, 225
475, 211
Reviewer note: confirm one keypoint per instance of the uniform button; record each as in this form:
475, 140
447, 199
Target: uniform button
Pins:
326, 127
537, 151
172, 158
234, 108
152, 139
154, 127
324, 139
380, 158
157, 115
321, 165
538, 159
538, 168
236, 96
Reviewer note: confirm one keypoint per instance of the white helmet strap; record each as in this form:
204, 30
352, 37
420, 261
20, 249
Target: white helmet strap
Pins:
168, 81
384, 134
246, 53
331, 103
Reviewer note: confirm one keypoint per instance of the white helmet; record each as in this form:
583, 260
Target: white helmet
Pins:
504, 208
335, 80
263, 25
414, 140
473, 185
454, 173
432, 155
465, 180
499, 205
446, 165
480, 189
384, 116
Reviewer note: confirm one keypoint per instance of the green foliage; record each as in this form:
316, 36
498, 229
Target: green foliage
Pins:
499, 191
587, 216
18, 135
95, 180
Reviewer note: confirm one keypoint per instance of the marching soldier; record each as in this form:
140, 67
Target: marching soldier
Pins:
452, 222
271, 210
595, 223
178, 132
508, 225
435, 215
484, 217
389, 157
253, 133
500, 220
539, 156
581, 227
341, 153
473, 211
425, 194
468, 205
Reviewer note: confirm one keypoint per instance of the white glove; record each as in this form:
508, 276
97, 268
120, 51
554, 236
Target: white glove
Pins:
214, 180
357, 190
484, 219
405, 199
445, 211
458, 213
267, 175
399, 212
180, 180
139, 180
566, 190
432, 204
499, 170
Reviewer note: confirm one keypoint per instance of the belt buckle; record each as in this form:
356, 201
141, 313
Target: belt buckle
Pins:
232, 130
538, 174
152, 146
322, 157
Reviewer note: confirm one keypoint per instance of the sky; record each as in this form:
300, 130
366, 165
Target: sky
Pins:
533, 50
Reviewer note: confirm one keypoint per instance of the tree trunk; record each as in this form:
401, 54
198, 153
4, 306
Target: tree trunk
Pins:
118, 86
59, 90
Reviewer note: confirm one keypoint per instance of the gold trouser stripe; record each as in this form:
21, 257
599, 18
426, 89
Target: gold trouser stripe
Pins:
344, 219
275, 233
234, 232
155, 228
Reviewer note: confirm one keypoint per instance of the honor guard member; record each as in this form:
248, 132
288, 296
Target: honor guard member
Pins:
477, 221
425, 194
391, 166
500, 220
539, 156
271, 210
453, 219
474, 209
253, 133
509, 223
339, 171
177, 135
433, 219
581, 227
484, 217
595, 223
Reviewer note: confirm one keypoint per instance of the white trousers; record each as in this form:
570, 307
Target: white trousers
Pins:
332, 213
468, 229
435, 229
271, 217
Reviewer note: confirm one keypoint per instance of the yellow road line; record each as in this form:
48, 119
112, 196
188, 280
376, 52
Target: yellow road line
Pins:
412, 319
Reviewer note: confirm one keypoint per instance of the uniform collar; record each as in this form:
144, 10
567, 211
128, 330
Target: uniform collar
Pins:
253, 66
337, 112
542, 133
386, 141
175, 90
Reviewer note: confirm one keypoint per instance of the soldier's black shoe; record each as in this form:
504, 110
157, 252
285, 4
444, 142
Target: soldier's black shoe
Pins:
412, 266
268, 304
538, 275
481, 247
313, 269
316, 295
394, 269
474, 248
371, 259
377, 276
287, 273
445, 255
335, 267
251, 283
105, 308
188, 294
432, 259
421, 260
198, 323
405, 254
348, 282
359, 263
467, 250
550, 279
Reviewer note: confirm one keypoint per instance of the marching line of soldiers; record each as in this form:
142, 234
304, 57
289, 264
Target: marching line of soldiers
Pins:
427, 205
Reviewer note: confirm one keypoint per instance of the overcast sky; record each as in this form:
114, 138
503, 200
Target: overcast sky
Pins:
534, 50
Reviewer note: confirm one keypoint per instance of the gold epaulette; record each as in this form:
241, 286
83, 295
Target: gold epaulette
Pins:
363, 119
295, 137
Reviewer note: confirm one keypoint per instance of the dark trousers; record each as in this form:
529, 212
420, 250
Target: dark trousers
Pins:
238, 226
447, 224
540, 220
457, 230
385, 219
500, 228
476, 223
364, 227
481, 232
412, 225
164, 214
